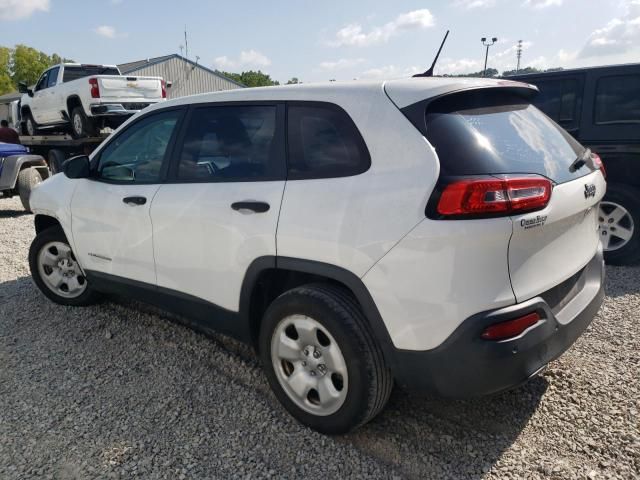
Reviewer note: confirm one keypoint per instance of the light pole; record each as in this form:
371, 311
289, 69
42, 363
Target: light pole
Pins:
486, 56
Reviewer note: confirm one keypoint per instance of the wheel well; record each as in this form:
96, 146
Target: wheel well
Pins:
44, 221
24, 111
272, 283
73, 102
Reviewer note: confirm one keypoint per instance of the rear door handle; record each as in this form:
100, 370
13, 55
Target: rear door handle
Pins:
134, 201
258, 207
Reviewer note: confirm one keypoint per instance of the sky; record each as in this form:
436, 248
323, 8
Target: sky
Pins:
331, 39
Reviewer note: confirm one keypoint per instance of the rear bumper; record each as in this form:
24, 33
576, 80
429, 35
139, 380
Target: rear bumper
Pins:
465, 365
117, 109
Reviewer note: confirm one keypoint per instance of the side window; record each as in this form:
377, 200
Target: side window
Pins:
324, 143
53, 77
548, 100
137, 154
618, 100
232, 143
42, 83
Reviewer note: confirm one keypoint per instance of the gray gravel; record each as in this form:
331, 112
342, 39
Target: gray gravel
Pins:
122, 390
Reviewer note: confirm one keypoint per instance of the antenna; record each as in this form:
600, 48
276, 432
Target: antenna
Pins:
518, 55
181, 47
429, 73
186, 43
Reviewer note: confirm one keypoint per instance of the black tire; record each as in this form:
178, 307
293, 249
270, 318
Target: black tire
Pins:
81, 125
370, 380
55, 159
27, 179
56, 234
629, 198
29, 125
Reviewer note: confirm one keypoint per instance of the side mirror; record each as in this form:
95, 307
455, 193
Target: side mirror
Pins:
24, 88
169, 84
77, 167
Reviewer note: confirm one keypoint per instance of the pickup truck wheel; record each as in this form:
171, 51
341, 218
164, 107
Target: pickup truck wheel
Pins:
27, 179
81, 125
619, 218
55, 159
30, 126
322, 361
56, 272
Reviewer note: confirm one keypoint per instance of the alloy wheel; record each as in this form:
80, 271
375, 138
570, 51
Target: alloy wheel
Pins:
616, 226
60, 271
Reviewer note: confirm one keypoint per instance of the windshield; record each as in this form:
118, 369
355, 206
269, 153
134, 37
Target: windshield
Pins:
480, 133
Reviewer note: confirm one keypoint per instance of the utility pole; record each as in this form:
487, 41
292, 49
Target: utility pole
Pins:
186, 43
486, 56
518, 54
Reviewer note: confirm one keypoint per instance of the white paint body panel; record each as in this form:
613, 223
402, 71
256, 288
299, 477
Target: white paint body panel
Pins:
439, 275
544, 256
104, 225
202, 246
53, 199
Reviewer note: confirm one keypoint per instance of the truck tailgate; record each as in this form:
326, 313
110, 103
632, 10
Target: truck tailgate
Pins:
112, 87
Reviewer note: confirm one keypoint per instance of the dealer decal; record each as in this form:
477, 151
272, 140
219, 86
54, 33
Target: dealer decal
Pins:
537, 221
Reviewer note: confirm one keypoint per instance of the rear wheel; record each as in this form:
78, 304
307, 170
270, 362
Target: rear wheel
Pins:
27, 179
81, 125
55, 159
56, 272
619, 219
321, 359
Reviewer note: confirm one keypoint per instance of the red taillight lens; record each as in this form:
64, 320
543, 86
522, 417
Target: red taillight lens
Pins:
482, 196
164, 88
510, 328
597, 161
95, 89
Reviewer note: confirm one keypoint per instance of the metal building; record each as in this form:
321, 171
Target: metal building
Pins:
186, 76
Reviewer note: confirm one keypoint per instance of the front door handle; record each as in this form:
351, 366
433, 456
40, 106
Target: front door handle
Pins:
258, 207
134, 201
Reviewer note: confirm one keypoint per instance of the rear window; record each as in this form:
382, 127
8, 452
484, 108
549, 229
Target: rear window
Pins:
324, 143
481, 133
618, 100
81, 71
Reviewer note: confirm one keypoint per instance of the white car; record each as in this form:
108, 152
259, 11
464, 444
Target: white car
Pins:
438, 233
85, 98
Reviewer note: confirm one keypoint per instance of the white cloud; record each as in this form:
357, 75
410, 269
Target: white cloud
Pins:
340, 64
471, 4
17, 9
538, 4
247, 58
108, 31
618, 36
354, 35
453, 67
390, 71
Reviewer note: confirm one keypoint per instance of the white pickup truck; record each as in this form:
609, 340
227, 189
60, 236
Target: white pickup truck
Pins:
85, 98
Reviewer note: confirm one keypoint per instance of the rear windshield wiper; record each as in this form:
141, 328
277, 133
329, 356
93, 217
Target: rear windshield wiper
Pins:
580, 162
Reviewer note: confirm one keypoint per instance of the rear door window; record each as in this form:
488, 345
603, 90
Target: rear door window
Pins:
324, 142
480, 133
618, 100
560, 99
231, 144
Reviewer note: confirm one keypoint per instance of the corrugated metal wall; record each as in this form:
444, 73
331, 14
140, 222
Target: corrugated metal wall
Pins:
186, 79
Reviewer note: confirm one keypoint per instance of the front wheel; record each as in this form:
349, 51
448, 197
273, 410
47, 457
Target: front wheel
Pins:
56, 272
619, 218
29, 126
321, 359
28, 178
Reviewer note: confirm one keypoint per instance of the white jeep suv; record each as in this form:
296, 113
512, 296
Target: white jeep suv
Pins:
440, 234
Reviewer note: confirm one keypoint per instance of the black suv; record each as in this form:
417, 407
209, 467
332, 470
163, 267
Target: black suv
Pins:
600, 107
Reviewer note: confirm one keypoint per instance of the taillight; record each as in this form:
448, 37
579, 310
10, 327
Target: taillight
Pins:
164, 88
510, 328
95, 89
597, 161
487, 196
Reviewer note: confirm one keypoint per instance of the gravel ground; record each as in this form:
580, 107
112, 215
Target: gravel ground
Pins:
122, 390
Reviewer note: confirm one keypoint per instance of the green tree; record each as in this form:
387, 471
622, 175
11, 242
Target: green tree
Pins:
293, 81
6, 84
252, 78
522, 71
27, 64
